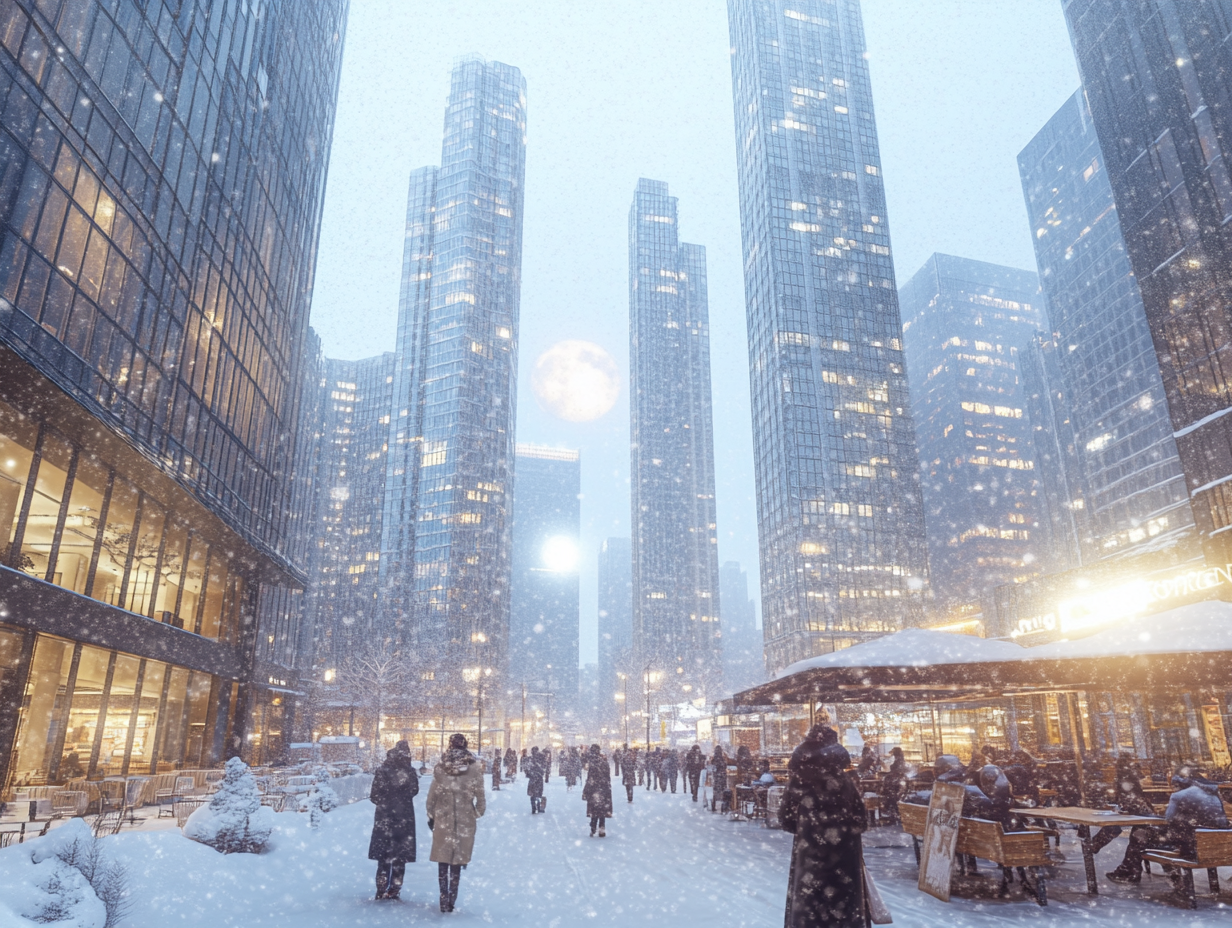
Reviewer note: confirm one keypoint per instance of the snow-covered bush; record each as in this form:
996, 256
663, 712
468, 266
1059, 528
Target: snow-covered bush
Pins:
322, 799
77, 883
234, 821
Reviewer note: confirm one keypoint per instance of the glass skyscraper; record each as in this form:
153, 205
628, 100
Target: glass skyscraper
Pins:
615, 623
676, 627
1157, 75
840, 522
445, 552
964, 325
162, 168
545, 598
1132, 488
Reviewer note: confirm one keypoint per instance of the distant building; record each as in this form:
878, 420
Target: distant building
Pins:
840, 522
445, 551
743, 660
1156, 75
615, 622
162, 170
1132, 491
344, 563
964, 323
545, 599
676, 627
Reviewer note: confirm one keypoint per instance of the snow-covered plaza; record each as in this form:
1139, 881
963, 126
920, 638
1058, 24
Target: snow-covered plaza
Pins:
665, 861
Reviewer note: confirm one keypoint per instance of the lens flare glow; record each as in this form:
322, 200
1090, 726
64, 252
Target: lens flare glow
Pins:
560, 554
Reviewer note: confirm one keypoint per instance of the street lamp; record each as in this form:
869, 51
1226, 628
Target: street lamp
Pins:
624, 700
646, 681
477, 675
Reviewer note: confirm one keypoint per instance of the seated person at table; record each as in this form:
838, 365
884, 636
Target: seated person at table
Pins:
949, 769
1023, 775
893, 784
994, 784
1129, 798
766, 778
1194, 805
870, 763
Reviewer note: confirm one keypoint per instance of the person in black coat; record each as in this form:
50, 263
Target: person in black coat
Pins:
511, 765
718, 798
496, 769
993, 784
870, 763
671, 769
1024, 776
694, 764
628, 770
598, 791
893, 785
533, 769
545, 756
823, 809
393, 792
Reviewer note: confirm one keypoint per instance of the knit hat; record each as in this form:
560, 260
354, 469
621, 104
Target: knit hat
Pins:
458, 741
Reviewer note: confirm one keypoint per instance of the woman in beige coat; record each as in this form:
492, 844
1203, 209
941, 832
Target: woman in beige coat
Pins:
455, 803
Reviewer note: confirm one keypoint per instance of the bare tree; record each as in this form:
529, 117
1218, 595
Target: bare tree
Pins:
373, 680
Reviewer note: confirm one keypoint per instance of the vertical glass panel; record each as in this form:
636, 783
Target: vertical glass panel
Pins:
174, 723
42, 708
117, 534
17, 437
145, 558
171, 572
147, 718
45, 506
119, 714
194, 581
198, 707
81, 524
211, 618
83, 712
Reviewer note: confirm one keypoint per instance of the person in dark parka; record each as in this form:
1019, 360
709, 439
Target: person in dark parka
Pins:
496, 769
870, 763
744, 765
393, 792
598, 792
628, 770
893, 785
671, 770
823, 809
511, 765
718, 798
533, 769
694, 764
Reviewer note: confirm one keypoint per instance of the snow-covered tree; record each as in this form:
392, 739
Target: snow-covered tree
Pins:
234, 821
322, 799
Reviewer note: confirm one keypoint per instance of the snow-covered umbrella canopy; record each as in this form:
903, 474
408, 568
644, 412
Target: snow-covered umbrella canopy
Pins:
907, 666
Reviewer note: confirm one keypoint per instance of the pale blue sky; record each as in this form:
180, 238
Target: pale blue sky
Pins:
618, 91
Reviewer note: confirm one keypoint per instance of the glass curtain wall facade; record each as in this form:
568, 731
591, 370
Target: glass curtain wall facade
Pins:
1133, 486
615, 624
545, 597
344, 565
1157, 76
677, 632
161, 178
964, 325
451, 433
840, 522
743, 662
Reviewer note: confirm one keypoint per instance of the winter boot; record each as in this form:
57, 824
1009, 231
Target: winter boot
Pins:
602, 832
1122, 874
455, 877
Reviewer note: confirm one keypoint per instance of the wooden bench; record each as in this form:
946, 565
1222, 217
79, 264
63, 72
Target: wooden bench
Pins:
977, 837
1214, 851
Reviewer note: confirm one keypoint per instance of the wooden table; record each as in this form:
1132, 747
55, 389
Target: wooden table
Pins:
1084, 819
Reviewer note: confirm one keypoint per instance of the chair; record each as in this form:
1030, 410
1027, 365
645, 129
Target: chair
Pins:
69, 802
183, 808
107, 823
276, 801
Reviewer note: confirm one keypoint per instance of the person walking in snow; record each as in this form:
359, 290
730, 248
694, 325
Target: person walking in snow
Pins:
639, 759
671, 769
546, 757
652, 767
823, 809
511, 765
524, 761
455, 804
598, 792
496, 769
694, 764
394, 788
718, 781
628, 770
534, 780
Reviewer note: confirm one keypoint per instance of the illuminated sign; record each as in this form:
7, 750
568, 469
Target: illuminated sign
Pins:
1136, 598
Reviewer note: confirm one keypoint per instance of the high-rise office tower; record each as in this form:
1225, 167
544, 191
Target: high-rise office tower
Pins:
445, 552
545, 599
676, 627
615, 622
964, 323
344, 562
162, 167
1133, 487
840, 523
1156, 74
743, 663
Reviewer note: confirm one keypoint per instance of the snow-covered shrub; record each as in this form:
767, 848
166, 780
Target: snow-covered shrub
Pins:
79, 884
322, 799
234, 821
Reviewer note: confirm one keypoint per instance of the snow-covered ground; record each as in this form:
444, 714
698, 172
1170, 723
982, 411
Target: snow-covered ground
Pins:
665, 861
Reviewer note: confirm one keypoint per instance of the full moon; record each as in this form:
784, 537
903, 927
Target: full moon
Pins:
576, 381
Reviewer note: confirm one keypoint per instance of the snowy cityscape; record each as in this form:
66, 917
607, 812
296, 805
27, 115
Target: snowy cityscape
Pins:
439, 481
